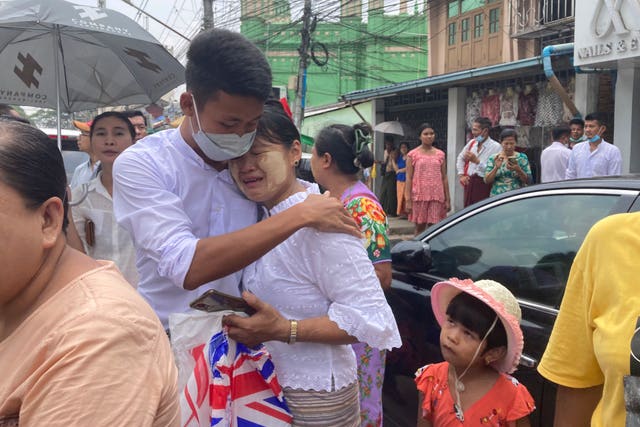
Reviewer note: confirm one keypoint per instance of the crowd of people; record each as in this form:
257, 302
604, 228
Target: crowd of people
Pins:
486, 167
150, 222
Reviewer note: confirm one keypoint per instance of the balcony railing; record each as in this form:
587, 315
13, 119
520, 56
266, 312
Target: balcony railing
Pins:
540, 18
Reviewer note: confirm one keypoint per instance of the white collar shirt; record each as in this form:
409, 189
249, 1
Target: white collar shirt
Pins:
84, 173
605, 160
315, 274
112, 242
168, 198
553, 162
487, 149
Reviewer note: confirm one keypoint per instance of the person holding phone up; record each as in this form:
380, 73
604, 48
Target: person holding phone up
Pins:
508, 169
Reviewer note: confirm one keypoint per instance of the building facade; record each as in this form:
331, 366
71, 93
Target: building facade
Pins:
486, 59
349, 51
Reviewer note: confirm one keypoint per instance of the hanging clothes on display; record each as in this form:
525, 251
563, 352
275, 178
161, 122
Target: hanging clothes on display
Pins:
571, 91
527, 102
523, 136
474, 108
491, 107
508, 107
549, 111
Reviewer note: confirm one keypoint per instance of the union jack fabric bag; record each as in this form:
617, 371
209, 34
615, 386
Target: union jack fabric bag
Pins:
224, 383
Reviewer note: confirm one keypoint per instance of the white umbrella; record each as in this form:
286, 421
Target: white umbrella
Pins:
70, 57
395, 127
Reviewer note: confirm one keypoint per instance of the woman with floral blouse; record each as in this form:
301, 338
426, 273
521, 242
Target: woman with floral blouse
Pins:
339, 153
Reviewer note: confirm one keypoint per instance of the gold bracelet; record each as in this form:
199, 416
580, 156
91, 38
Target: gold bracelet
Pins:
293, 334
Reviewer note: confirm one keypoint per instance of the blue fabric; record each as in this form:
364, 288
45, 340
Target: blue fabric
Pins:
402, 163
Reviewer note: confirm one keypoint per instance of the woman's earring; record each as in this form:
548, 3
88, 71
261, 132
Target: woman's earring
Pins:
296, 163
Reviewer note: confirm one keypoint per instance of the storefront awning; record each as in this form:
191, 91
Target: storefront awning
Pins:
451, 79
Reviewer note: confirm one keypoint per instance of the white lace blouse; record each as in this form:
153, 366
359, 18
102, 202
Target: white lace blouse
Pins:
313, 274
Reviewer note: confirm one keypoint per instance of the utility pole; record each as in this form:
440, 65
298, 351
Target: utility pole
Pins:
301, 84
207, 14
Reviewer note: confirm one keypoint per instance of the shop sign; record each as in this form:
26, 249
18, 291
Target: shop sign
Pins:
606, 30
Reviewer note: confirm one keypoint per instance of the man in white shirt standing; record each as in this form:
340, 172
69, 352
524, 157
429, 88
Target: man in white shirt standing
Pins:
576, 125
192, 228
139, 122
555, 158
88, 170
595, 156
472, 161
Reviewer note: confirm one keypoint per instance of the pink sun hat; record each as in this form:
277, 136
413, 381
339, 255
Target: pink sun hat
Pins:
499, 299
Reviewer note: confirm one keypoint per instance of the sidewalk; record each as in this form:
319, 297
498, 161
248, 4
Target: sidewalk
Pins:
399, 229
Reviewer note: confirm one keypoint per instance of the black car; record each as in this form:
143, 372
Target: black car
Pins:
525, 239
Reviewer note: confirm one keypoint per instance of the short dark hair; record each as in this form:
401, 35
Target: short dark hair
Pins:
276, 126
32, 165
508, 133
560, 131
596, 117
135, 113
222, 60
116, 114
484, 122
477, 316
576, 121
340, 142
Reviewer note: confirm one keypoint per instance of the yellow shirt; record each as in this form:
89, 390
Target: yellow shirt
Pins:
590, 342
94, 354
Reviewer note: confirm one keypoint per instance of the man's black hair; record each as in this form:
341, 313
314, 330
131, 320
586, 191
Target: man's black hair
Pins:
484, 122
222, 60
576, 121
135, 113
559, 131
596, 117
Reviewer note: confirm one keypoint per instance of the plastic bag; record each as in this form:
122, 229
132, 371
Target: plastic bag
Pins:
223, 383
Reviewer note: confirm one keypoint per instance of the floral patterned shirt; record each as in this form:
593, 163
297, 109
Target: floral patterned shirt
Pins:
363, 205
505, 179
506, 402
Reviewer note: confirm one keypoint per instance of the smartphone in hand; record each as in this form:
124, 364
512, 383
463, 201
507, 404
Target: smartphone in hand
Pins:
212, 301
512, 160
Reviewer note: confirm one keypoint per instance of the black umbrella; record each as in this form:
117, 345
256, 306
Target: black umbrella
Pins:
70, 57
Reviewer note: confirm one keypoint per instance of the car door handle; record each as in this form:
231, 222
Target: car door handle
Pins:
528, 361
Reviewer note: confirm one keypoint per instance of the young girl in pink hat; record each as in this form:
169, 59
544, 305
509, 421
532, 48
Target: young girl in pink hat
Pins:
481, 342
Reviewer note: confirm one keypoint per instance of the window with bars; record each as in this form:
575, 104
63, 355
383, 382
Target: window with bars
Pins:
478, 25
464, 30
452, 33
494, 20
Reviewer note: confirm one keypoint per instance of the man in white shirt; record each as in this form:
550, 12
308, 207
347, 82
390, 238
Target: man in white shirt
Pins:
472, 161
192, 229
577, 132
595, 156
88, 170
139, 122
555, 158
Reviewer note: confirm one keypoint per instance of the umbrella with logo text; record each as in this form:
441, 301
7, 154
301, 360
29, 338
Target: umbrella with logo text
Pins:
69, 57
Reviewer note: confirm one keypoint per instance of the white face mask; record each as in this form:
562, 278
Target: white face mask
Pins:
220, 147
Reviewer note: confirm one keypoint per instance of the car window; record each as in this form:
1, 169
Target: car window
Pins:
527, 244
